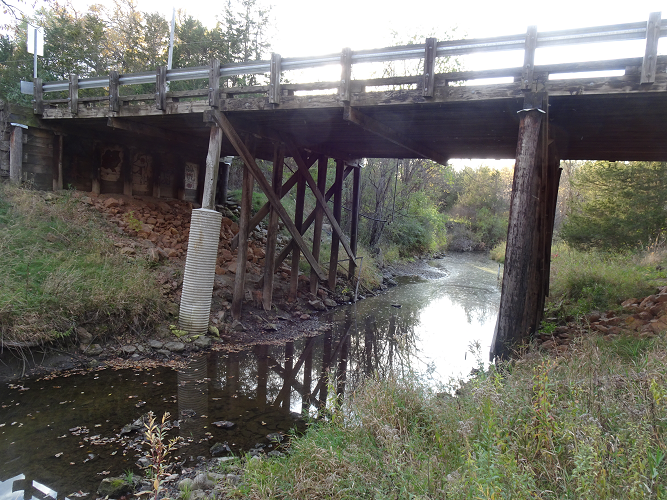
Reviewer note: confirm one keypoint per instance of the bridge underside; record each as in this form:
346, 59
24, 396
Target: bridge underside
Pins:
402, 124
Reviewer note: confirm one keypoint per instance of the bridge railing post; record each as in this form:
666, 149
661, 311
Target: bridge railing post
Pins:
651, 54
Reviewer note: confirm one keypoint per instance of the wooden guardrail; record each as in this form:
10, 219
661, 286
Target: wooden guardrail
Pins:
650, 64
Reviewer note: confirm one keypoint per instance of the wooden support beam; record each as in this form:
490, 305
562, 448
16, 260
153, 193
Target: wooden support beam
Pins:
214, 84
96, 178
74, 94
126, 171
380, 129
142, 129
58, 162
161, 88
309, 220
264, 211
354, 226
242, 255
529, 59
520, 234
429, 66
320, 198
337, 212
38, 97
16, 155
298, 221
272, 233
114, 91
249, 161
346, 75
319, 216
651, 53
212, 165
274, 80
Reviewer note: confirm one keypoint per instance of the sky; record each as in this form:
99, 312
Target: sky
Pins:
318, 27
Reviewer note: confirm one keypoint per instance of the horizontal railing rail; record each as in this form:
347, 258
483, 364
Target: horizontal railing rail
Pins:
651, 31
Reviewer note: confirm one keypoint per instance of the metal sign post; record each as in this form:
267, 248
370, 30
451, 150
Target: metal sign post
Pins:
35, 45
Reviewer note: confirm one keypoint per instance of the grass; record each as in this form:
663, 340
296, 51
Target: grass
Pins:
589, 425
585, 281
58, 269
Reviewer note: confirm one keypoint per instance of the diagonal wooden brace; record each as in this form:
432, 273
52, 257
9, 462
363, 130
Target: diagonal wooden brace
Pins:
303, 168
263, 183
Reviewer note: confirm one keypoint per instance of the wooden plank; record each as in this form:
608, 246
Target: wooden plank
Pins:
346, 74
429, 66
242, 255
249, 161
161, 88
38, 97
354, 225
651, 53
380, 129
213, 84
298, 223
114, 96
16, 156
337, 212
58, 163
74, 94
529, 58
320, 198
274, 79
212, 165
319, 216
272, 233
520, 233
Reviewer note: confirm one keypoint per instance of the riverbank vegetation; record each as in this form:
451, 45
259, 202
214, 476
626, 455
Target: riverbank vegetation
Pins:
587, 425
58, 269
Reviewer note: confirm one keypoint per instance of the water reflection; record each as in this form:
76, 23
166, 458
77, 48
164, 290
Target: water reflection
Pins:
263, 390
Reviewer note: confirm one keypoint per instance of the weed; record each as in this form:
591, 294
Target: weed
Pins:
132, 222
159, 450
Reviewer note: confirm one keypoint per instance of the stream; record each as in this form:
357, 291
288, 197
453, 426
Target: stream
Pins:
61, 435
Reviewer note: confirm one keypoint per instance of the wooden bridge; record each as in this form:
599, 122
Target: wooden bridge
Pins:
537, 119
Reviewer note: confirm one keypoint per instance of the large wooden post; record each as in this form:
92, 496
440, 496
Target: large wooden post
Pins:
354, 227
319, 217
58, 163
337, 211
212, 165
272, 233
242, 255
298, 223
16, 155
511, 326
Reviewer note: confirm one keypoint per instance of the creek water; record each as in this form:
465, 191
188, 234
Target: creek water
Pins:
60, 436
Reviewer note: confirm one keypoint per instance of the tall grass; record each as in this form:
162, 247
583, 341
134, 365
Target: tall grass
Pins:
584, 281
57, 268
589, 425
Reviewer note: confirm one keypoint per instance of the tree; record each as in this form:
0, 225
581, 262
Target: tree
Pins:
619, 205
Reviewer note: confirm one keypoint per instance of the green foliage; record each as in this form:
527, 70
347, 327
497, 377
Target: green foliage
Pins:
498, 252
590, 425
583, 281
619, 205
483, 203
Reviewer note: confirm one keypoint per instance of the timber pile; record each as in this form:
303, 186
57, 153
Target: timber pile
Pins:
642, 318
